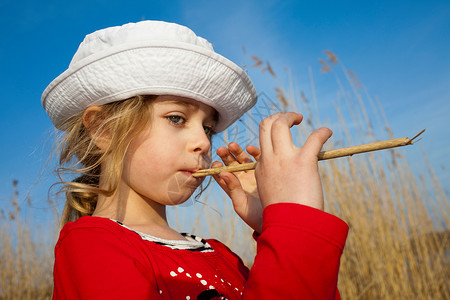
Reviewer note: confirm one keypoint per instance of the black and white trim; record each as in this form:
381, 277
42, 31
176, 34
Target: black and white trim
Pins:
192, 242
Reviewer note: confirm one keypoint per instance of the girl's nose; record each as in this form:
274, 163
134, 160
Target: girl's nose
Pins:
201, 141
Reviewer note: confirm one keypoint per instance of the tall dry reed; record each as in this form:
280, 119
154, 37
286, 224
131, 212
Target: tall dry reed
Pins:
26, 253
399, 241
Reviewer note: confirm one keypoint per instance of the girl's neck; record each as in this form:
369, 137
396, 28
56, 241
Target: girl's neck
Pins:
137, 213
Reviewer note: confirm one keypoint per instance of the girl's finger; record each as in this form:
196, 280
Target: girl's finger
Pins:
221, 183
216, 164
226, 156
217, 178
281, 133
233, 188
315, 141
265, 132
241, 156
254, 151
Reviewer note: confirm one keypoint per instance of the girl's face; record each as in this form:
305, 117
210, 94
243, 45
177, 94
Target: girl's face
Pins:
159, 164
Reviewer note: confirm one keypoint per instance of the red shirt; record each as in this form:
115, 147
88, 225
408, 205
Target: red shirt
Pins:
298, 255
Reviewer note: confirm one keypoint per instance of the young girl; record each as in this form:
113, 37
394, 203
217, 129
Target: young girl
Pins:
138, 105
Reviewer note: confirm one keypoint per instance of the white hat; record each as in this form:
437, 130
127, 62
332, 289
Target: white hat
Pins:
149, 58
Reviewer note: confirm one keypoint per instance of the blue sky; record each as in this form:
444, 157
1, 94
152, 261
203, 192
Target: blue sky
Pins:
398, 49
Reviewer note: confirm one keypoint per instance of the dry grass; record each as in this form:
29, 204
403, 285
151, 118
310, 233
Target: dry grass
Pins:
398, 245
26, 254
26, 262
399, 241
394, 251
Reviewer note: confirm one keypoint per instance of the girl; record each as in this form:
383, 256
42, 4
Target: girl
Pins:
138, 105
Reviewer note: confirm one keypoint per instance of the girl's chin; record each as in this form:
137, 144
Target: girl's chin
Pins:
181, 187
175, 198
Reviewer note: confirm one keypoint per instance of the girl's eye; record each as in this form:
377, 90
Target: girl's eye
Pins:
209, 130
177, 120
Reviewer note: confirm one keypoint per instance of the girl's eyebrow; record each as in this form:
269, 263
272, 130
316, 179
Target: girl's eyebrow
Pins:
191, 106
177, 102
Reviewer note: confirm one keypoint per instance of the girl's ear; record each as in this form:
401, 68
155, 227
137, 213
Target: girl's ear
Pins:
93, 116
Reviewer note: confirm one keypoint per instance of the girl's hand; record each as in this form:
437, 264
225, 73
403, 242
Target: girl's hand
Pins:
241, 186
286, 173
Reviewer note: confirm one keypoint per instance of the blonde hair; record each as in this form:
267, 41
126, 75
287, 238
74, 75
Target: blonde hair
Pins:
121, 122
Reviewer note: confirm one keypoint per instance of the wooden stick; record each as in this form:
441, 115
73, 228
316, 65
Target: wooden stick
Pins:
323, 155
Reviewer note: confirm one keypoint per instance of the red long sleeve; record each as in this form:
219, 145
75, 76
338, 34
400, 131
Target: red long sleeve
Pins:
298, 254
298, 257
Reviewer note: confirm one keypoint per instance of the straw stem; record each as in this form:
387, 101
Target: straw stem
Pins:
323, 155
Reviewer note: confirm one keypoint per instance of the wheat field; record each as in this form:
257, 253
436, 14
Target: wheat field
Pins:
399, 240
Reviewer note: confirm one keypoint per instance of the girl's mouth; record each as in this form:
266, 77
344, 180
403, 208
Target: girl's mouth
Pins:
189, 172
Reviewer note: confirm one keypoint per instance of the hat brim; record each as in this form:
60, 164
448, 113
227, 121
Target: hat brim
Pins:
152, 68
